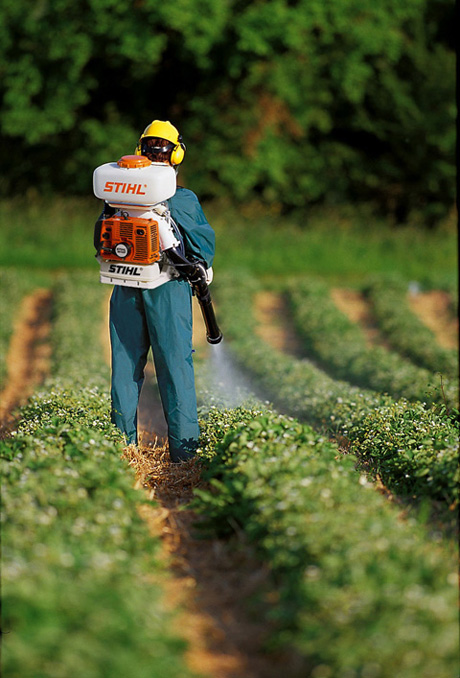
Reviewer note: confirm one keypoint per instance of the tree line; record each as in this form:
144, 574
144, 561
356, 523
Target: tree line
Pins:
293, 102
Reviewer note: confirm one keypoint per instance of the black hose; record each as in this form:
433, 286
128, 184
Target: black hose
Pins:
196, 275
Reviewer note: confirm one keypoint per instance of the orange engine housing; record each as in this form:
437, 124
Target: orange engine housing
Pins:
139, 236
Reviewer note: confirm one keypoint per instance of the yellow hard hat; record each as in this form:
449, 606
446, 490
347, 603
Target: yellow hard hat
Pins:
163, 129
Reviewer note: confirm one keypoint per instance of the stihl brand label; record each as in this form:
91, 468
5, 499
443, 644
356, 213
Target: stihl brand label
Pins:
123, 270
119, 187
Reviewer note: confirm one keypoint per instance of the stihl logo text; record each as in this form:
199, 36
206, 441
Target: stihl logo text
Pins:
119, 187
123, 270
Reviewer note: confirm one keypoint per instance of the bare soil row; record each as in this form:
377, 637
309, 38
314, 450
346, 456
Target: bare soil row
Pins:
28, 358
432, 308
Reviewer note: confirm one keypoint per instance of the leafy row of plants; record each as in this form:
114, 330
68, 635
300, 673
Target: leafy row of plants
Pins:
412, 447
82, 582
355, 589
14, 284
406, 333
340, 346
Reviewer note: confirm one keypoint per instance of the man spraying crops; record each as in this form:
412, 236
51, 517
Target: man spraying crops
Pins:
151, 307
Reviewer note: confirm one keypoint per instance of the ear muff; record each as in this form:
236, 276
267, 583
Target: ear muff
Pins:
178, 152
164, 130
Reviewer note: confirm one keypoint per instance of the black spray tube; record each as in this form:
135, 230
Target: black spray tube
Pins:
196, 275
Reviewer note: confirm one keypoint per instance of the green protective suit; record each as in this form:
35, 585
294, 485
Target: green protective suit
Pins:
161, 318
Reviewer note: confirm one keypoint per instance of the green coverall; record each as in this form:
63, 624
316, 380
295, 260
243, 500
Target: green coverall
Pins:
161, 318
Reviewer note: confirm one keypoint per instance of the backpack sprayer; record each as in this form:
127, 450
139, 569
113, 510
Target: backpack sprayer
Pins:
139, 245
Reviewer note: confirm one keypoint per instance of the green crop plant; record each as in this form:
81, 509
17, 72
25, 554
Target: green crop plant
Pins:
82, 581
78, 356
340, 346
78, 560
354, 588
420, 463
405, 332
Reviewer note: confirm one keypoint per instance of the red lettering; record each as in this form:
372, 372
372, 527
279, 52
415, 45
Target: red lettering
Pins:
119, 187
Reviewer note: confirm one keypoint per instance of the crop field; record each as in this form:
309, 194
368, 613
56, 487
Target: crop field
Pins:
314, 535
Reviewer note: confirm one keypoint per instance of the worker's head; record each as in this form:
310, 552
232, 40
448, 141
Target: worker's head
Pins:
161, 142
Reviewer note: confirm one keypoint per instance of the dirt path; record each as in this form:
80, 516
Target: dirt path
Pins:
274, 325
29, 353
354, 305
211, 580
433, 310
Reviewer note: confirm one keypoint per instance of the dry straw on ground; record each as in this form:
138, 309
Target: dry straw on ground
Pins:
213, 579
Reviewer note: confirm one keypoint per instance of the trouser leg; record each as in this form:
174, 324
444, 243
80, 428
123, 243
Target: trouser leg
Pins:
130, 344
169, 317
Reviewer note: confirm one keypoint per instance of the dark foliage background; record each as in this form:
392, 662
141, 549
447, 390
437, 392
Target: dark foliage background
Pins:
291, 102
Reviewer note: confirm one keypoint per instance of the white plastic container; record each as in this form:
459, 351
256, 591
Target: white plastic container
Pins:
134, 180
